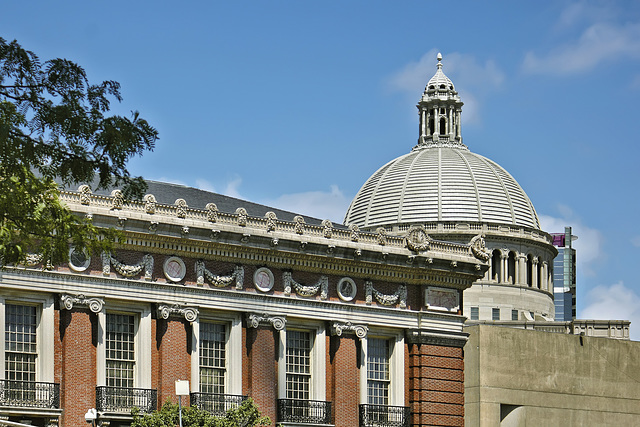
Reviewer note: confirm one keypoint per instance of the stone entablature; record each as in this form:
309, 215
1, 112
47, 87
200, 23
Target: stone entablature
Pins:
215, 222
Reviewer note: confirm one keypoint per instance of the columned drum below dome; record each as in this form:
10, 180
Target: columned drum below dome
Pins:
441, 183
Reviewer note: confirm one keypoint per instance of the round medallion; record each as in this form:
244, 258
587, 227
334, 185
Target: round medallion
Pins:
79, 259
347, 289
174, 269
263, 279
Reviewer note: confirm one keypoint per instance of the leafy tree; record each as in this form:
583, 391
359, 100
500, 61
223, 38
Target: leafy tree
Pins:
55, 125
245, 415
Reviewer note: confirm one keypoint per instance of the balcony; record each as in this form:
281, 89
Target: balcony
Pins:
384, 416
122, 399
216, 404
29, 394
304, 411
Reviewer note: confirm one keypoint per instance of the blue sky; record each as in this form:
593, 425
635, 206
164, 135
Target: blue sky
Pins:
295, 104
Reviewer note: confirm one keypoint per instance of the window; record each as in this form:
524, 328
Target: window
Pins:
298, 365
495, 314
20, 342
514, 314
475, 313
120, 350
213, 372
378, 378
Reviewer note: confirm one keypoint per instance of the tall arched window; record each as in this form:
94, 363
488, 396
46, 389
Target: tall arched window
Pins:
443, 126
495, 265
530, 270
511, 265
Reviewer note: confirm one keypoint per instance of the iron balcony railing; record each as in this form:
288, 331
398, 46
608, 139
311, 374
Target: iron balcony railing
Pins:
122, 399
384, 416
304, 411
217, 404
30, 394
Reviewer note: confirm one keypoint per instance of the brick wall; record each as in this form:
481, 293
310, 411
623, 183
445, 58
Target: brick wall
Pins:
77, 329
436, 385
343, 386
174, 360
262, 369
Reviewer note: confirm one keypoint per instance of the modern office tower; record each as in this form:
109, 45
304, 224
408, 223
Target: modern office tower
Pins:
564, 276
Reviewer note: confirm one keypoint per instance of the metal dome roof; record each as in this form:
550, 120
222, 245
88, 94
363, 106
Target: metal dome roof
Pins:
441, 184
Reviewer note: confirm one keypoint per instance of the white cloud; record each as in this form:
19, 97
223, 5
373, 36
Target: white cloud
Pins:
598, 43
615, 302
231, 189
589, 246
205, 185
464, 70
319, 204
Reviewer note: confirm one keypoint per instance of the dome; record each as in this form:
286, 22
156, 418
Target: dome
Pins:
439, 80
441, 184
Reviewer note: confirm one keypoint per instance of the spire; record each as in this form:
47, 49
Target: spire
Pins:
440, 109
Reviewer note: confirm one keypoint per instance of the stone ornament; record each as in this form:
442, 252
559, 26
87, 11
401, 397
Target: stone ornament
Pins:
212, 212
181, 208
153, 226
32, 260
271, 221
122, 221
255, 320
118, 199
166, 310
479, 248
417, 239
338, 328
299, 224
79, 259
305, 290
242, 217
399, 297
85, 194
202, 273
442, 299
327, 228
382, 236
174, 269
355, 232
263, 279
150, 204
94, 304
145, 264
347, 289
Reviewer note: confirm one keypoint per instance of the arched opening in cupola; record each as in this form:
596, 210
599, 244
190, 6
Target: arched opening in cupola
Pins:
443, 126
495, 265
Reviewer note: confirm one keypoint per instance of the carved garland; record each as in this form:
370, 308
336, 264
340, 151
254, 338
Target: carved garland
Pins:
306, 290
68, 301
398, 297
125, 270
190, 313
254, 320
203, 273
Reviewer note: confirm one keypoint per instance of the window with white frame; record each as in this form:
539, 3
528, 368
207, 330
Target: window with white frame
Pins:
298, 364
213, 354
378, 371
120, 350
20, 342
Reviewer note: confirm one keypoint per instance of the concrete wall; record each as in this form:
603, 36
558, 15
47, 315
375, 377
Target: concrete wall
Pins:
517, 377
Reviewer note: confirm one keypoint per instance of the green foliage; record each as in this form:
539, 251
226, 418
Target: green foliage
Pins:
54, 125
245, 415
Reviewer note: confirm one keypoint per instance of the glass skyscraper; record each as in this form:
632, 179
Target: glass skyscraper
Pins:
564, 276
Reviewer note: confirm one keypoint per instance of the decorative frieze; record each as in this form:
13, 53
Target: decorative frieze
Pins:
202, 273
255, 320
306, 290
166, 310
146, 265
242, 217
354, 232
399, 297
150, 204
338, 328
94, 304
117, 201
327, 228
417, 239
212, 212
442, 299
181, 208
85, 194
271, 221
298, 224
381, 236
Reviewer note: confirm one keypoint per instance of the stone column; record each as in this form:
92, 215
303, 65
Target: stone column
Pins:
521, 269
504, 265
534, 272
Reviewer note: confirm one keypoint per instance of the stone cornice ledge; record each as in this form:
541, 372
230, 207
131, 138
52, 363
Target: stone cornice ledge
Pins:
435, 337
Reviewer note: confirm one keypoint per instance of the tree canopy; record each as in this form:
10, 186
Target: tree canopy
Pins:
245, 415
55, 126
